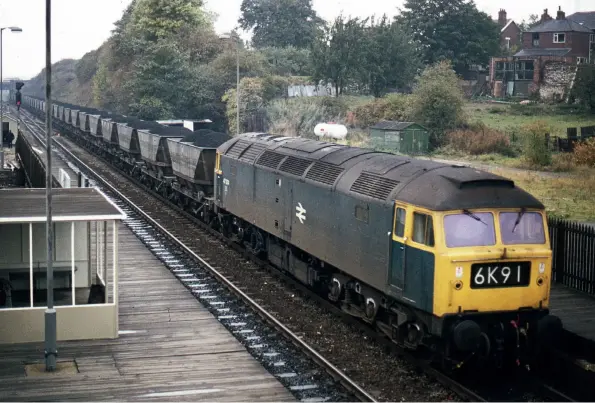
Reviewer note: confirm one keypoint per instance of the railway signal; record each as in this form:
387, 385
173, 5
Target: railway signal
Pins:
19, 85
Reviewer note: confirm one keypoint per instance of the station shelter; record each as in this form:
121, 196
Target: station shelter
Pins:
85, 264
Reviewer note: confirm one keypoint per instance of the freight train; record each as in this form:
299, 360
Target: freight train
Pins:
448, 258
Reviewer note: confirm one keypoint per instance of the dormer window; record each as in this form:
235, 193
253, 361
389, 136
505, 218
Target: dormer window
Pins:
559, 38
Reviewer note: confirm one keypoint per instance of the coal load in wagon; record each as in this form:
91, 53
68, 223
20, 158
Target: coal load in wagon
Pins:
206, 138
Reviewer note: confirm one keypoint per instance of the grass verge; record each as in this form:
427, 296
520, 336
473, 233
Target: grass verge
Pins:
569, 197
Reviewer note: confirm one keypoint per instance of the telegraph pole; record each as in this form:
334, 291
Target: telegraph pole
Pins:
50, 314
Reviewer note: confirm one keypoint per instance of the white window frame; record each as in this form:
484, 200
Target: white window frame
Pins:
581, 60
556, 37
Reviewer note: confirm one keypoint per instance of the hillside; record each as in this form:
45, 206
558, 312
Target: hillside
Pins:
68, 83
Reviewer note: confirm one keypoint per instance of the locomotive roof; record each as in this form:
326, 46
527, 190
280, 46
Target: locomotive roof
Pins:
374, 175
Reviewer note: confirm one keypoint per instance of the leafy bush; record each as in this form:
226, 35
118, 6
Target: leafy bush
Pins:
437, 101
479, 139
584, 153
391, 107
298, 116
534, 145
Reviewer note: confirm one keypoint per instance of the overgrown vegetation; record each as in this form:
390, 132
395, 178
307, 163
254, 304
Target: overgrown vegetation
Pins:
479, 139
568, 197
584, 153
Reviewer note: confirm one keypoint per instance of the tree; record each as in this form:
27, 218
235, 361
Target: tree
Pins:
390, 60
337, 53
280, 23
584, 86
438, 100
157, 19
289, 61
452, 30
524, 26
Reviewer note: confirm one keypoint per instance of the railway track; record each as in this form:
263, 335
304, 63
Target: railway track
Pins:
158, 222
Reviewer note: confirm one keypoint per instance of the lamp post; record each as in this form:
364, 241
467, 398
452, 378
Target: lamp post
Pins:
50, 313
12, 29
231, 36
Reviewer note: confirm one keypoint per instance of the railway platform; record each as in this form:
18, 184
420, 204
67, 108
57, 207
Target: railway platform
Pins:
32, 157
169, 348
577, 312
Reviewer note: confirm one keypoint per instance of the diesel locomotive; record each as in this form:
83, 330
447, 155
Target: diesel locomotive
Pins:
445, 257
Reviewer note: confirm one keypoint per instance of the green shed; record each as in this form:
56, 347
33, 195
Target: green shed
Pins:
402, 137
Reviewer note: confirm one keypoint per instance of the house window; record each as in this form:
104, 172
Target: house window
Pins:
581, 60
559, 38
536, 39
504, 71
524, 70
592, 38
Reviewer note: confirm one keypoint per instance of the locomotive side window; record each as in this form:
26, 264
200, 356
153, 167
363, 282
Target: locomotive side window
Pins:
400, 222
218, 163
423, 229
362, 213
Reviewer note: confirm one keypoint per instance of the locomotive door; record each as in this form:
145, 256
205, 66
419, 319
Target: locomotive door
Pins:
398, 249
289, 210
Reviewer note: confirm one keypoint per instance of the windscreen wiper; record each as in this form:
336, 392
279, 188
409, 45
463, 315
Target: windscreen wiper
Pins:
518, 218
470, 214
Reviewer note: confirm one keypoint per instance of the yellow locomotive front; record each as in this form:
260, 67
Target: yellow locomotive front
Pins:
492, 280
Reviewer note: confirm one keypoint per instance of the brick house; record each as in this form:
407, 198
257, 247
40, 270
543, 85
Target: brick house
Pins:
548, 58
510, 33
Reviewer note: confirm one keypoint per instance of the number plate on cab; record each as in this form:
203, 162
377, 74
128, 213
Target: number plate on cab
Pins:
509, 274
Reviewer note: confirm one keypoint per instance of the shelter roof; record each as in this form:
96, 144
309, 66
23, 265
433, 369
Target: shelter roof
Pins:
22, 205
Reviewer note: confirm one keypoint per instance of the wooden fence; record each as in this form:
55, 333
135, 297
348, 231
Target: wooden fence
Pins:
572, 137
573, 246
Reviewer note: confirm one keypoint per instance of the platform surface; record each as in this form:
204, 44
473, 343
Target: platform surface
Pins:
170, 349
576, 309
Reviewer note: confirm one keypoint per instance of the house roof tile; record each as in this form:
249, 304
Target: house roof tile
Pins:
566, 25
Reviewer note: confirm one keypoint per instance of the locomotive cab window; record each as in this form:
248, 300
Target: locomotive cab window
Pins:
401, 214
469, 229
423, 229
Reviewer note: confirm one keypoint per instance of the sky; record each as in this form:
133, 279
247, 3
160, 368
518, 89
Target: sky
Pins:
80, 26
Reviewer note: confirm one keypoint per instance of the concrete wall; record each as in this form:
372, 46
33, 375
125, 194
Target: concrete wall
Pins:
14, 252
82, 322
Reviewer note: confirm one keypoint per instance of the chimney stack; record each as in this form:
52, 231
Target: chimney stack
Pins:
502, 17
545, 16
561, 14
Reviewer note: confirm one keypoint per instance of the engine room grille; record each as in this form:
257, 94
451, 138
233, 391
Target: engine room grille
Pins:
295, 166
270, 159
252, 152
236, 150
374, 186
324, 173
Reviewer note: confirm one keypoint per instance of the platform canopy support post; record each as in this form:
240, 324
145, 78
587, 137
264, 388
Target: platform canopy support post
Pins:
50, 314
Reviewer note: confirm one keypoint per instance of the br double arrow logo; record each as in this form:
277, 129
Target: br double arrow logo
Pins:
301, 212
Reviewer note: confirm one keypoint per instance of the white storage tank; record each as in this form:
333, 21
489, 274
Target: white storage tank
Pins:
333, 130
